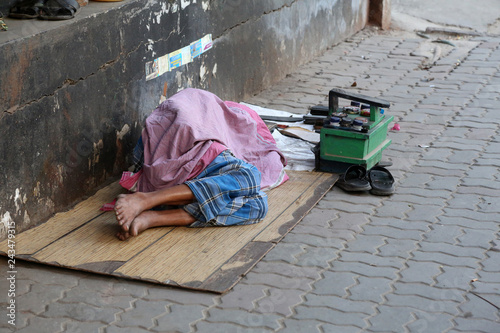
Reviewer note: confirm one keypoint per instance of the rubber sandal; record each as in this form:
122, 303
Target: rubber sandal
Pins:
59, 9
354, 179
26, 9
381, 181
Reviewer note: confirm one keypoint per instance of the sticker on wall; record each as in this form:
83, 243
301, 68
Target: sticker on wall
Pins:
180, 57
201, 45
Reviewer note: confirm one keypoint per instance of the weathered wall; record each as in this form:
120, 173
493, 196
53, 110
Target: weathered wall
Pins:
5, 5
73, 98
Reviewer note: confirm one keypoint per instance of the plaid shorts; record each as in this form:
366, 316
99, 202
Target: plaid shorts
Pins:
227, 193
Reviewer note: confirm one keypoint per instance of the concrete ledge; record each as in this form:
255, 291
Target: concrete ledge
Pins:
73, 94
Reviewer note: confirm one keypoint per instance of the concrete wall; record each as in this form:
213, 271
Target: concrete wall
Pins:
73, 94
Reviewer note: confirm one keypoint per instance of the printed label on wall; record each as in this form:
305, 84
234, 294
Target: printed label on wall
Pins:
178, 58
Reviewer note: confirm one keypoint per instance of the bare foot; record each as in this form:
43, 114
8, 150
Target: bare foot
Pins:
128, 207
141, 222
149, 219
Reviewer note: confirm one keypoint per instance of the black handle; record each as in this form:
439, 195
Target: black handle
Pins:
333, 99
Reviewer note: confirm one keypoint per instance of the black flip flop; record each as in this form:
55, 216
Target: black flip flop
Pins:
381, 181
26, 9
354, 179
59, 9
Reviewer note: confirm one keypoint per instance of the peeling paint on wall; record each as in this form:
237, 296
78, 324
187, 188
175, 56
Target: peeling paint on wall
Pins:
203, 71
19, 200
120, 134
149, 47
95, 156
205, 5
163, 10
5, 222
185, 3
26, 219
36, 190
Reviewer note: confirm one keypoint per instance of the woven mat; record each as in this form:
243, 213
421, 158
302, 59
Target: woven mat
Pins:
210, 259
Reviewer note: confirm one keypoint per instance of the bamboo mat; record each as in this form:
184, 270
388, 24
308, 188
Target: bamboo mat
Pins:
211, 259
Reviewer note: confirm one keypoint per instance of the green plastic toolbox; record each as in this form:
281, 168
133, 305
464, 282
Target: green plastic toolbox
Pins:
342, 147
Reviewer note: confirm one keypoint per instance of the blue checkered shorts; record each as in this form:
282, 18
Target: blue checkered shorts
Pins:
227, 193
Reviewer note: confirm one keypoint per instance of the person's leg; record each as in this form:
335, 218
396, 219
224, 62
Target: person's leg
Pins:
240, 211
129, 206
227, 193
151, 219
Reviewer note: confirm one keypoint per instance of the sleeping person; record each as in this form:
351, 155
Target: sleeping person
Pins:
207, 160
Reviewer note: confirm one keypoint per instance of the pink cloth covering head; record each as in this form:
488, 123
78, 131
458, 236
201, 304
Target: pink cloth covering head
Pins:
182, 129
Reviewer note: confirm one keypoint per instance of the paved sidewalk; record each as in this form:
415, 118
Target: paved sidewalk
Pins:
426, 259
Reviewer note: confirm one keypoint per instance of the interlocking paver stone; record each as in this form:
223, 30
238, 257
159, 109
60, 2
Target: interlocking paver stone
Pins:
395, 209
316, 241
454, 250
329, 315
422, 213
39, 324
135, 318
364, 269
445, 259
476, 325
179, 317
398, 248
350, 221
430, 292
81, 312
430, 322
287, 252
243, 318
299, 326
39, 297
490, 264
407, 223
424, 304
391, 319
420, 272
325, 232
242, 296
392, 232
343, 304
317, 256
444, 234
208, 327
79, 327
371, 259
479, 309
478, 238
78, 295
162, 293
366, 243
116, 329
455, 217
279, 301
335, 283
374, 292
466, 201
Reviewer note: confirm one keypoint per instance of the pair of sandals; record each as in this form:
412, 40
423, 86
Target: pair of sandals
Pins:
378, 180
45, 9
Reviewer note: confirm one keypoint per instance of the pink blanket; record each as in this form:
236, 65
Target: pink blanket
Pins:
182, 129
